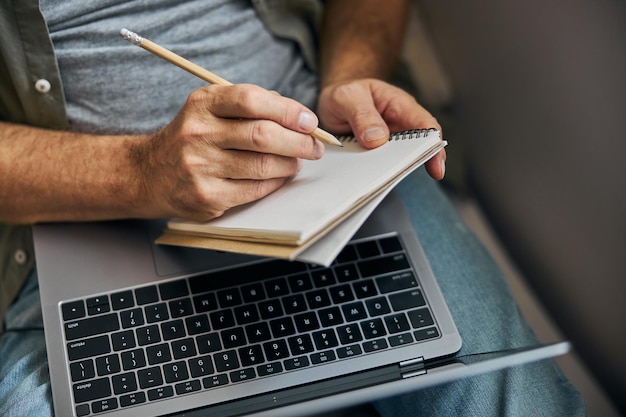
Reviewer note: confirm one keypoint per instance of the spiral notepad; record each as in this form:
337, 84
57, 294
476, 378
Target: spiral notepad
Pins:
321, 196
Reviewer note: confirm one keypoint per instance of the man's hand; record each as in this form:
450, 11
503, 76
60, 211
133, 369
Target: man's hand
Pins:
226, 147
371, 109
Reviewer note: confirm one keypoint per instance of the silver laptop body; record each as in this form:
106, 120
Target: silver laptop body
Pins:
136, 329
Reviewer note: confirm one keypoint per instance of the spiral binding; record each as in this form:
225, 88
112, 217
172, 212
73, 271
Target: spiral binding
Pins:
403, 135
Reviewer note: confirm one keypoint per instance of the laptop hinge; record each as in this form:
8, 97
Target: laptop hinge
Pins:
412, 367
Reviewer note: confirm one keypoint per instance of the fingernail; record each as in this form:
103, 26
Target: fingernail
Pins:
443, 167
374, 133
307, 121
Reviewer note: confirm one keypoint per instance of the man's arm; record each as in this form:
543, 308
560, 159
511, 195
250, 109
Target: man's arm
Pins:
227, 146
360, 43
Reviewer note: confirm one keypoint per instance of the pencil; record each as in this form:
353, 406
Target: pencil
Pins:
203, 73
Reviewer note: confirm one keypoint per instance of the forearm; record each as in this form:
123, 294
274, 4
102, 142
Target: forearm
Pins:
361, 39
50, 175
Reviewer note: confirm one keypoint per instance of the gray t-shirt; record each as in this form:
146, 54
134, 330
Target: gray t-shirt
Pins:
112, 86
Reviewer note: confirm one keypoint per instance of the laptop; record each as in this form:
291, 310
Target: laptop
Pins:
138, 329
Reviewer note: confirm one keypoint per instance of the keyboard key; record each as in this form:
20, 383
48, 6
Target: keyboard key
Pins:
323, 277
81, 349
133, 359
294, 304
405, 300
397, 282
233, 337
222, 319
276, 350
242, 375
276, 287
367, 249
349, 334
374, 345
400, 339
92, 326
185, 348
246, 314
258, 332
349, 351
208, 343
390, 244
158, 354
98, 305
156, 313
348, 254
383, 265
423, 334
318, 299
397, 323
215, 381
300, 344
148, 335
226, 361
150, 377
187, 387
377, 306
173, 330
91, 390
341, 294
420, 318
123, 340
325, 339
175, 372
296, 363
82, 370
132, 399
373, 328
124, 383
82, 410
253, 292
269, 368
73, 310
354, 311
101, 406
306, 322
107, 365
229, 297
300, 282
330, 316
198, 324
270, 309
160, 393
173, 289
132, 318
282, 327
201, 366
180, 308
323, 357
345, 273
365, 289
147, 295
123, 299
205, 302
251, 355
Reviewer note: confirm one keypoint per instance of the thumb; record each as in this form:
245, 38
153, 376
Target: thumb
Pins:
367, 124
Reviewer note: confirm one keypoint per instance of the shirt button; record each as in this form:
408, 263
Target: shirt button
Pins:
42, 85
20, 256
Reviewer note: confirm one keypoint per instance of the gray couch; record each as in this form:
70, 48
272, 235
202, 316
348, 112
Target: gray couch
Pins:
538, 98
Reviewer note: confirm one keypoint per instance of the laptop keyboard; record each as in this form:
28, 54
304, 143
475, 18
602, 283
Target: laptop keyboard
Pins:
173, 338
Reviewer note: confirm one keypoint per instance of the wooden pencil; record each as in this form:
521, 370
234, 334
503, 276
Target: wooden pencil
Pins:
203, 73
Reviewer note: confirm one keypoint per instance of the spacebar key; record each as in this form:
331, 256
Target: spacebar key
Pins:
78, 329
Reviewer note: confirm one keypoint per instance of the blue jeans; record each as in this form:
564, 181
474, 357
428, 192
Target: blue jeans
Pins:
472, 285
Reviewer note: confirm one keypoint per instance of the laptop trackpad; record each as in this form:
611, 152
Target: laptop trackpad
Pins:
175, 260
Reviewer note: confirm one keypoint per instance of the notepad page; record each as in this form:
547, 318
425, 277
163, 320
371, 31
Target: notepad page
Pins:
319, 194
